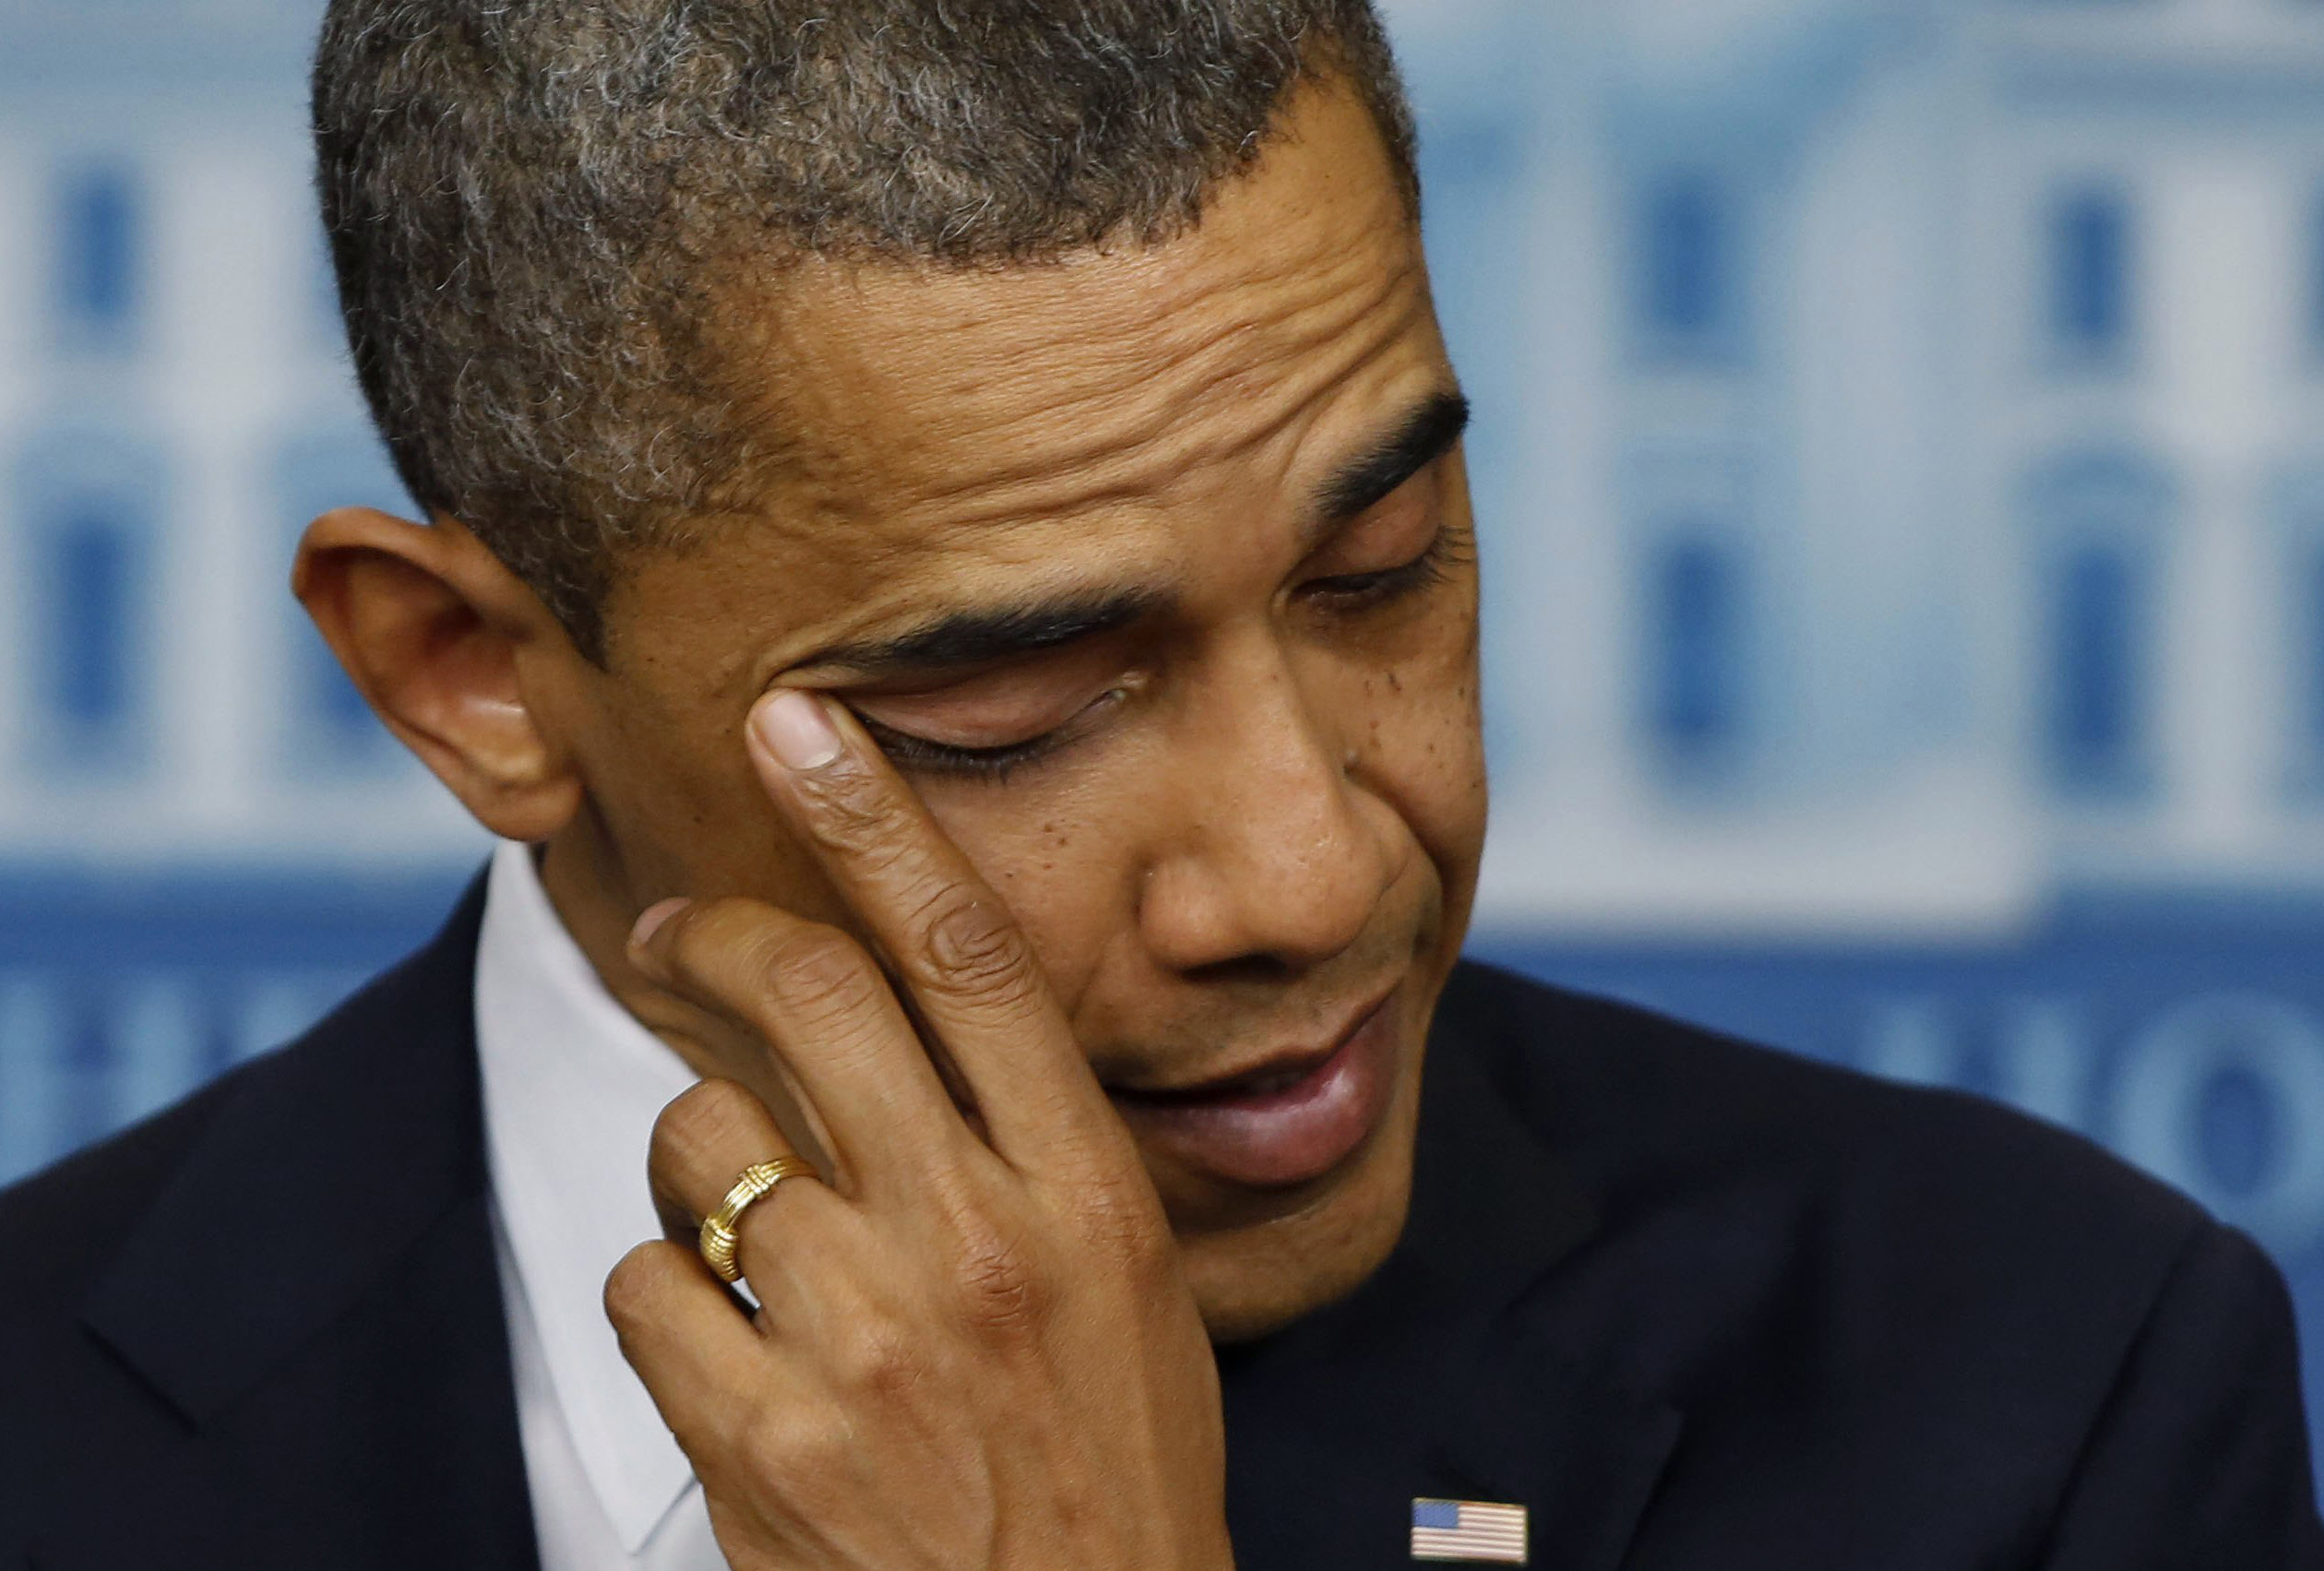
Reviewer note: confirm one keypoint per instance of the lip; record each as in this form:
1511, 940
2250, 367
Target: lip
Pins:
1257, 1128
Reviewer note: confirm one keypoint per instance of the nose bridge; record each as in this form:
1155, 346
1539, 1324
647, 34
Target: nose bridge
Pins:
1279, 856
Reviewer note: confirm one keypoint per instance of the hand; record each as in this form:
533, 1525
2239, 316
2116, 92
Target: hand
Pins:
972, 1349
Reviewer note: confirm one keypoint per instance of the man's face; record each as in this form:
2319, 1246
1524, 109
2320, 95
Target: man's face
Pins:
1151, 570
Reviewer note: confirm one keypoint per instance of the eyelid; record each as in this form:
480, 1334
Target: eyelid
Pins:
917, 753
1412, 505
1447, 549
961, 709
921, 754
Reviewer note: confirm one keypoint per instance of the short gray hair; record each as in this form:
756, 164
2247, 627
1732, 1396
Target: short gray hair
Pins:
528, 202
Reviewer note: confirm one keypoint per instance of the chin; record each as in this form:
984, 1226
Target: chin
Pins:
1252, 1281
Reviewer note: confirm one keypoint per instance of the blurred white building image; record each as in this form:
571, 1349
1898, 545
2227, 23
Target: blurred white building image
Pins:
1902, 504
174, 403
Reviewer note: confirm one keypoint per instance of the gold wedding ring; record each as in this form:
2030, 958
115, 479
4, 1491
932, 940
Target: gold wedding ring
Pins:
757, 1183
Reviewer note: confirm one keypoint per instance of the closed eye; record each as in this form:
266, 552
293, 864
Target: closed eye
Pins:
1450, 549
920, 755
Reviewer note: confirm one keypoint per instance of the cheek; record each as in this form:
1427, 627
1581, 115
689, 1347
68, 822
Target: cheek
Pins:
1422, 747
1063, 867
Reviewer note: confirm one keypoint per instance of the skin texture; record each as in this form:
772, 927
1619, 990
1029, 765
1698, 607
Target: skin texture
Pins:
1261, 811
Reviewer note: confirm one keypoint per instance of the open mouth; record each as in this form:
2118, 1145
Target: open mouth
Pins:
1268, 1079
1288, 1121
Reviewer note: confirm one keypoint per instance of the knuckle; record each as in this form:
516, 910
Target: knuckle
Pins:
881, 1360
638, 1286
1001, 1289
805, 1453
977, 950
850, 810
705, 1118
1003, 1298
735, 954
701, 936
820, 974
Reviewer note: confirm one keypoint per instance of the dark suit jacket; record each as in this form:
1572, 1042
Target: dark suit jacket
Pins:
1693, 1304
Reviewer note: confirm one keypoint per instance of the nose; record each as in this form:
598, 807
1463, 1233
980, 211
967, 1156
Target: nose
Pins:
1281, 856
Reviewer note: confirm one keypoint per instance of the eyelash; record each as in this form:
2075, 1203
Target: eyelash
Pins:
1354, 592
920, 755
1357, 591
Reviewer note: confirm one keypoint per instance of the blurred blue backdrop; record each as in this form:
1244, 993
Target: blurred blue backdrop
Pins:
1902, 478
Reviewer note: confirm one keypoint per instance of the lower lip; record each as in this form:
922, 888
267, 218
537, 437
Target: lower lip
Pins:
1286, 1137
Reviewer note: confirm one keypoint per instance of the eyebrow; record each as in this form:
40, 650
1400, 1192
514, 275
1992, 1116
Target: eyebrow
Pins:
1427, 434
965, 639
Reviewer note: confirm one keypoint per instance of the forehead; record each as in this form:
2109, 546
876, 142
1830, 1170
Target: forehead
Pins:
1082, 417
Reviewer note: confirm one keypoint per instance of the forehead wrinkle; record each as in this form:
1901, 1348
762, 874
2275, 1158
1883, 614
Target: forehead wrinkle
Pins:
863, 597
818, 513
1213, 398
932, 381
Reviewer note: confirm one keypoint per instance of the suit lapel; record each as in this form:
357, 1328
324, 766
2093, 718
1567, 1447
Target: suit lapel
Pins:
315, 1296
1445, 1376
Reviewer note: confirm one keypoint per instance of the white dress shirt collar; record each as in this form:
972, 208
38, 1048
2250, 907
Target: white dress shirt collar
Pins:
571, 1086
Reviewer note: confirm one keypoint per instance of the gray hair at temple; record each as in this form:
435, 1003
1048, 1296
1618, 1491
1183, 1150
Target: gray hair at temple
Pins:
533, 204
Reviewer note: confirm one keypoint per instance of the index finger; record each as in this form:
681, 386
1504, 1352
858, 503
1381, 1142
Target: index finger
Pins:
966, 963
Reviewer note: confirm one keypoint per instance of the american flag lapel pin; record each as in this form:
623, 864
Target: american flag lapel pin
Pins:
1467, 1529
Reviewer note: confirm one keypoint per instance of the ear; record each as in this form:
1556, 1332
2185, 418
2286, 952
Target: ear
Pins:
450, 648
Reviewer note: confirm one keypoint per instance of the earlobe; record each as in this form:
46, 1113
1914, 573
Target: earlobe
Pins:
440, 637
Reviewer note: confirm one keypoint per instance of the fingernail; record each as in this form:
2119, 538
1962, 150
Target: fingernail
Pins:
795, 729
650, 920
